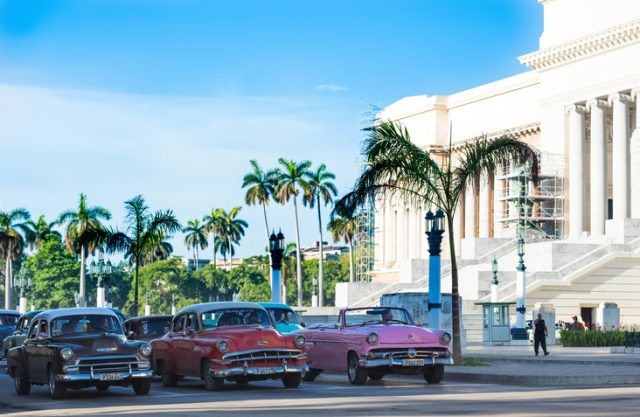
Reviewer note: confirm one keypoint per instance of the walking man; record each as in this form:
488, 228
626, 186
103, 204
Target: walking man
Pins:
540, 335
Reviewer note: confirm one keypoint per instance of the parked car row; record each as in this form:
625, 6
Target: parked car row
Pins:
217, 342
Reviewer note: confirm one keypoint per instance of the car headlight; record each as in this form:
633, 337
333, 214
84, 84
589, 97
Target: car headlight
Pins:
445, 338
66, 354
222, 346
372, 339
300, 340
145, 350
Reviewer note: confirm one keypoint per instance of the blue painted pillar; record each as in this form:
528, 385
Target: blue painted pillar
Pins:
435, 230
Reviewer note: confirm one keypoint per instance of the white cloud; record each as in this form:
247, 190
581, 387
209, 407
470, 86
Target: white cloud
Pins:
330, 87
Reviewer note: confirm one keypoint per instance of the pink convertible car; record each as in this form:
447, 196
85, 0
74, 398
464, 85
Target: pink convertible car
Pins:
376, 341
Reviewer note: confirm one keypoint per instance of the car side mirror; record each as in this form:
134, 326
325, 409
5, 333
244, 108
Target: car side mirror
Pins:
303, 324
131, 335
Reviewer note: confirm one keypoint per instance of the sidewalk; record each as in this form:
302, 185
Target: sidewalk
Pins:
518, 365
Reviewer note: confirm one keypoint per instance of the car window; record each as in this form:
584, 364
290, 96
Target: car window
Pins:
156, 327
81, 324
235, 317
34, 329
178, 324
192, 322
283, 315
378, 315
8, 319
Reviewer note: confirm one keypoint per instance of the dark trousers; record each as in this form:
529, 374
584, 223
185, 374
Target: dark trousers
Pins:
539, 340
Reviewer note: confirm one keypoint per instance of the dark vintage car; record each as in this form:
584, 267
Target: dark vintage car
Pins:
228, 341
8, 321
78, 348
20, 333
147, 327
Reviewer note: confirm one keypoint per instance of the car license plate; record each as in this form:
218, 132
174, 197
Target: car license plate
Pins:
264, 371
111, 377
413, 362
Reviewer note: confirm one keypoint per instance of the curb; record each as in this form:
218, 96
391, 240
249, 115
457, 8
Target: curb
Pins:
543, 380
555, 361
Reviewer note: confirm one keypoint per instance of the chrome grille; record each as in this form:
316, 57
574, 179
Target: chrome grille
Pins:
116, 363
420, 353
263, 355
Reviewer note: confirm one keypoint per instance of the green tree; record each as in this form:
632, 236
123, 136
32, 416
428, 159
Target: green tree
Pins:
54, 272
334, 273
42, 230
251, 281
396, 166
84, 230
214, 283
344, 226
161, 280
232, 230
214, 224
320, 189
143, 231
195, 237
14, 233
292, 179
260, 187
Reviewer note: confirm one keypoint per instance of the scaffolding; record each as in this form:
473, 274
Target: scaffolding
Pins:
364, 242
535, 209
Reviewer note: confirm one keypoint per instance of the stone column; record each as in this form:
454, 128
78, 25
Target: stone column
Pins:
498, 190
483, 229
634, 162
598, 165
469, 213
576, 170
620, 157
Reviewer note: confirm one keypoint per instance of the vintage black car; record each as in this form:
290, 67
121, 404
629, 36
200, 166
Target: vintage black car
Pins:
78, 348
147, 327
8, 321
20, 333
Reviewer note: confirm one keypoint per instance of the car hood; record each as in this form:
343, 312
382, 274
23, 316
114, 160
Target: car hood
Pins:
249, 338
97, 345
402, 334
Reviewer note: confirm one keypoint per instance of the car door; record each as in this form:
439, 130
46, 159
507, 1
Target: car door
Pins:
33, 351
189, 363
178, 340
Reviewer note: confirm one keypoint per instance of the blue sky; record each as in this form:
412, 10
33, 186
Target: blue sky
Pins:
171, 98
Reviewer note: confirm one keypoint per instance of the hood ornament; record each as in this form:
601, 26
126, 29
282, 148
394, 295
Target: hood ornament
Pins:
262, 343
410, 337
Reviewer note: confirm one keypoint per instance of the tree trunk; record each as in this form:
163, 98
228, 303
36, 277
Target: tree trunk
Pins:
266, 223
195, 258
135, 294
230, 253
215, 251
298, 257
351, 267
455, 299
82, 301
321, 261
7, 279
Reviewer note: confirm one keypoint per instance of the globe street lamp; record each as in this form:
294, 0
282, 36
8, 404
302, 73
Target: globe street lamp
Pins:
100, 271
23, 282
434, 231
276, 248
494, 281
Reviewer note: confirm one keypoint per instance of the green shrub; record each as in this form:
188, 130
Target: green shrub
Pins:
591, 338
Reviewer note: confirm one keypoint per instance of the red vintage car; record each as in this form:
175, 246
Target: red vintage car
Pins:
228, 341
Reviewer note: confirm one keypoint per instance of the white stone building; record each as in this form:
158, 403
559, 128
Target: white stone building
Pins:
578, 106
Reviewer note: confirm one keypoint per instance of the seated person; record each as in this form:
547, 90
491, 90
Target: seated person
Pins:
228, 319
43, 332
280, 316
387, 316
251, 318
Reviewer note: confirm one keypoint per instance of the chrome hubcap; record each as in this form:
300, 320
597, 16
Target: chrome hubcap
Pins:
352, 368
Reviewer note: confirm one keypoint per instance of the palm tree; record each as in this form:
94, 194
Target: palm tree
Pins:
396, 166
261, 186
143, 232
14, 232
161, 249
195, 237
320, 189
213, 223
344, 226
232, 230
84, 230
42, 231
292, 179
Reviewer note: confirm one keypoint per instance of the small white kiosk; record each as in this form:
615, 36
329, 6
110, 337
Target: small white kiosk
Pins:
496, 329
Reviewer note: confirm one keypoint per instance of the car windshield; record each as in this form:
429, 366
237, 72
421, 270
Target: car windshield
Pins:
234, 317
85, 324
378, 315
9, 319
155, 327
283, 316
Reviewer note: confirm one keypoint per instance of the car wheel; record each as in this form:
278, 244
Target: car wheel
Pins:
291, 380
167, 379
57, 390
142, 387
434, 374
311, 375
101, 386
211, 383
357, 375
21, 382
376, 376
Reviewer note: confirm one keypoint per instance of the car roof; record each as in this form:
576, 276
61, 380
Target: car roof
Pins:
204, 307
159, 316
63, 312
276, 305
31, 313
9, 312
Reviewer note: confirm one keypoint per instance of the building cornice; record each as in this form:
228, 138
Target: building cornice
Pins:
519, 132
593, 44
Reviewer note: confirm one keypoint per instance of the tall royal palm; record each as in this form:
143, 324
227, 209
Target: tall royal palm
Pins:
320, 190
260, 188
195, 237
214, 224
84, 231
292, 180
344, 225
143, 231
14, 232
42, 231
396, 166
233, 230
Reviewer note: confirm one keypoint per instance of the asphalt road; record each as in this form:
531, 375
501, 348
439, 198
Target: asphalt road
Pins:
330, 395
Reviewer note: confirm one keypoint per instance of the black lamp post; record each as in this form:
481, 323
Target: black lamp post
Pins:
100, 271
276, 248
434, 231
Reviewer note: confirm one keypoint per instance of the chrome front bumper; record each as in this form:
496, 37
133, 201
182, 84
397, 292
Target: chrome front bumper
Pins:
372, 363
259, 371
91, 377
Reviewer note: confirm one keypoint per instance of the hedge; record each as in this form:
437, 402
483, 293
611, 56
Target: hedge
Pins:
591, 338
